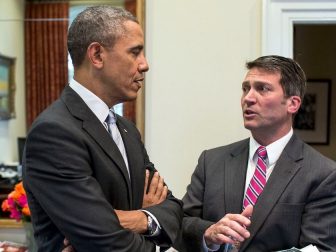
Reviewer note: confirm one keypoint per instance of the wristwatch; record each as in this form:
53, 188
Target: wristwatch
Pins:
151, 225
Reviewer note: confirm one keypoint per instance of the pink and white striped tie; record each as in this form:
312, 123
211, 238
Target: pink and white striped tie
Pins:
258, 180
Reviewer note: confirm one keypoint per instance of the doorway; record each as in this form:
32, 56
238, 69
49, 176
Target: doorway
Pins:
305, 30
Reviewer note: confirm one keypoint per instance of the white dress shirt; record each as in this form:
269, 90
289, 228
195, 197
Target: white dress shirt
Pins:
97, 106
274, 151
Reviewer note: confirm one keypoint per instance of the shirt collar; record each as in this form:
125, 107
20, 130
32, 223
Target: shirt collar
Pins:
98, 107
274, 149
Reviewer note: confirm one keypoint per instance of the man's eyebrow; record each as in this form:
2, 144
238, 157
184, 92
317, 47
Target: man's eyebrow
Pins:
262, 83
256, 83
137, 47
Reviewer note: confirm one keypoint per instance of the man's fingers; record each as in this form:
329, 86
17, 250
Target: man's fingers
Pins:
227, 230
154, 183
218, 238
67, 246
157, 191
242, 220
164, 193
218, 234
230, 229
227, 239
146, 181
235, 228
248, 211
159, 188
68, 249
66, 242
231, 233
119, 213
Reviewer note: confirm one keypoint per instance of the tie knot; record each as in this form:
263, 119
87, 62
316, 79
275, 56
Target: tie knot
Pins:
262, 152
110, 119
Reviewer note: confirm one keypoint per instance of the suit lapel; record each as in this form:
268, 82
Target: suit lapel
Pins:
104, 139
135, 163
284, 171
235, 174
96, 130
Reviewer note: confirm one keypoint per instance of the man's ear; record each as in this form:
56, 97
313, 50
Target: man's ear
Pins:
94, 53
294, 103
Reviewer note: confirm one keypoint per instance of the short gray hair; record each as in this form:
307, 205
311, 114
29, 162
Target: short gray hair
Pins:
102, 24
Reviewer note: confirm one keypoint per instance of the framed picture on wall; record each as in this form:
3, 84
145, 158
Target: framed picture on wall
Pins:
7, 87
313, 119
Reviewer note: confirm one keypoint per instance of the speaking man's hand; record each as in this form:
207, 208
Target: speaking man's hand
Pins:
230, 229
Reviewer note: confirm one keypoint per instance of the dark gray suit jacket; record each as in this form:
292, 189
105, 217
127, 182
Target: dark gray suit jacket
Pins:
296, 208
75, 176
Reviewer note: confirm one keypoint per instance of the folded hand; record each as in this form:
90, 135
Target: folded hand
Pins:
157, 191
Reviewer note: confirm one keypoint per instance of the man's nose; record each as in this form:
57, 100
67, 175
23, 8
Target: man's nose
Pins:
143, 65
249, 96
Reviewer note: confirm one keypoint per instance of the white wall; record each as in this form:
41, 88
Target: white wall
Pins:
12, 44
196, 52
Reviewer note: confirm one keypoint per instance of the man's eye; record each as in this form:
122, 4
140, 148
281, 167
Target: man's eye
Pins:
245, 89
136, 52
264, 89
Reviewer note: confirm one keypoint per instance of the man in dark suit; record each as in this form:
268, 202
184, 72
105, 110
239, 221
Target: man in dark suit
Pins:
238, 201
83, 183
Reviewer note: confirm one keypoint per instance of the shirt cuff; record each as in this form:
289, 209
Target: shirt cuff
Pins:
158, 227
212, 247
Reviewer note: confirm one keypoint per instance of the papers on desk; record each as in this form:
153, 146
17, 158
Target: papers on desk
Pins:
309, 248
7, 246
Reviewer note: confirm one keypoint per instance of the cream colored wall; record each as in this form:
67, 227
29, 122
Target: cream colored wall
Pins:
196, 52
11, 44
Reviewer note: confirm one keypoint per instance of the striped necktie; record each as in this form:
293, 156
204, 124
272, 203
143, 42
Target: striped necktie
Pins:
258, 180
115, 133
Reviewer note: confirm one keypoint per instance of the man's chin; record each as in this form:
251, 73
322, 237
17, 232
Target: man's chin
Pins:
250, 126
130, 96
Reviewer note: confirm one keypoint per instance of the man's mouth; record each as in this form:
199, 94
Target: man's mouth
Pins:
249, 112
139, 81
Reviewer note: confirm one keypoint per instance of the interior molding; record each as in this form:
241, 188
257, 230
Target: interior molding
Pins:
279, 17
140, 101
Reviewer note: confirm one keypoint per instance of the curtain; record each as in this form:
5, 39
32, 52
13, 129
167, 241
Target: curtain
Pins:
46, 64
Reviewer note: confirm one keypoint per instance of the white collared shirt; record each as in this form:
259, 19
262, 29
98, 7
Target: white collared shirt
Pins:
97, 106
274, 151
